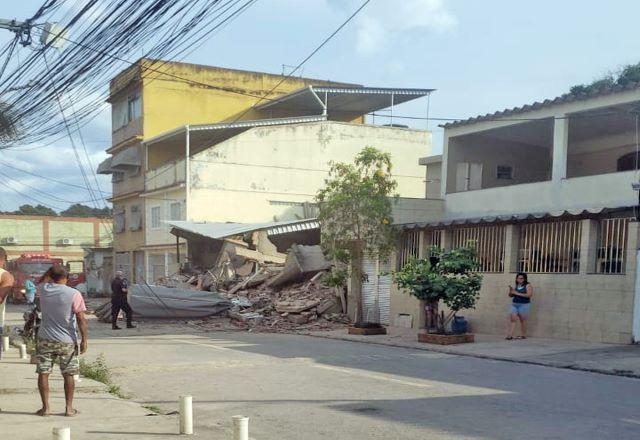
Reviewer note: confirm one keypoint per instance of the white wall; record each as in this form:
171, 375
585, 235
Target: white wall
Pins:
252, 176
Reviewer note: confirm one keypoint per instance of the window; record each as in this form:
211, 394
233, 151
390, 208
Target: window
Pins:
176, 211
550, 247
118, 220
504, 172
612, 246
134, 108
409, 247
628, 162
468, 176
136, 218
488, 242
155, 217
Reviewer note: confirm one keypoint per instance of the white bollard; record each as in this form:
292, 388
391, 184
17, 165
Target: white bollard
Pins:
186, 415
23, 351
240, 428
5, 343
62, 433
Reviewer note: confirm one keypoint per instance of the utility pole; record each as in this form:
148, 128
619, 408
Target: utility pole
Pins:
21, 28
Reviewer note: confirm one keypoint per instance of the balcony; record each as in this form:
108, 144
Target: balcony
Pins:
165, 176
604, 190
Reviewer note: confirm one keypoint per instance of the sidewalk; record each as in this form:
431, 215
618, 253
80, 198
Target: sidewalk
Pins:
622, 360
101, 415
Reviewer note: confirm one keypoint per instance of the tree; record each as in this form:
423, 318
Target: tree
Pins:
79, 210
449, 277
35, 210
626, 75
355, 215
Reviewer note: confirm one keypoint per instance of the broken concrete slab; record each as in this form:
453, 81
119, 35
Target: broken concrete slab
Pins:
295, 306
301, 262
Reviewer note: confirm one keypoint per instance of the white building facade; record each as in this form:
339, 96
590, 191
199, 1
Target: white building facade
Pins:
547, 189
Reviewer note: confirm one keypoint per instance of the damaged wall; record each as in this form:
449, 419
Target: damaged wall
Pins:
267, 173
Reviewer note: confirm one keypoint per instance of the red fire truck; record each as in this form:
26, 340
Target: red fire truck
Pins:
34, 266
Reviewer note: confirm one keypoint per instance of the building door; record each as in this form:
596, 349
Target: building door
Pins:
468, 176
376, 289
138, 269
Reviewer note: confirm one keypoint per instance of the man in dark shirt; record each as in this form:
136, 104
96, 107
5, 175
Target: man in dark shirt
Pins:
119, 291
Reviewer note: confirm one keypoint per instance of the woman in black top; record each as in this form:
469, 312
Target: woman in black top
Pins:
520, 305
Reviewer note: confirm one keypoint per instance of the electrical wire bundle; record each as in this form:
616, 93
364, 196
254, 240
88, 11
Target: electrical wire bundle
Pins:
101, 38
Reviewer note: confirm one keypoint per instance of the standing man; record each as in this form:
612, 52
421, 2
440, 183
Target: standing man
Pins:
30, 289
119, 291
62, 314
6, 284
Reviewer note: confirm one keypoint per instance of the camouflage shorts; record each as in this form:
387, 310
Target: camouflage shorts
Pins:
65, 354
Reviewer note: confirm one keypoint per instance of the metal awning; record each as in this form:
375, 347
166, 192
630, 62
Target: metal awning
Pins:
121, 161
219, 230
511, 218
105, 167
341, 100
202, 137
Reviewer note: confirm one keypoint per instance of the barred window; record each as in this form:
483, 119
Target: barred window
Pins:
612, 246
550, 247
434, 238
488, 242
409, 247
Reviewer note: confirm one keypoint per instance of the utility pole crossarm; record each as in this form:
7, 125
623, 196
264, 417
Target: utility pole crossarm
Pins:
12, 25
20, 28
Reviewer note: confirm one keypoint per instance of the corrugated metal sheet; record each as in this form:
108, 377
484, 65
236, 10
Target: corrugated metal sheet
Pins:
219, 230
376, 290
511, 217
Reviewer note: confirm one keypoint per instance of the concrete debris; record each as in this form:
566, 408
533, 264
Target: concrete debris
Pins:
263, 296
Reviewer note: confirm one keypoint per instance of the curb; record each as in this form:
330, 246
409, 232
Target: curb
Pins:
550, 364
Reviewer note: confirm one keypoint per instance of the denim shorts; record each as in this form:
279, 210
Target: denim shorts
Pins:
520, 308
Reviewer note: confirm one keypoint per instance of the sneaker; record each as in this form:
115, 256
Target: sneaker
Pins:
131, 326
115, 327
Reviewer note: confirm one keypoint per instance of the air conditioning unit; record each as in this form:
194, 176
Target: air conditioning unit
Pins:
9, 240
66, 241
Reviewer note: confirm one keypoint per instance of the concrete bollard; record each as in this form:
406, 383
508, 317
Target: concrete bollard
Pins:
186, 415
5, 343
240, 428
23, 351
62, 433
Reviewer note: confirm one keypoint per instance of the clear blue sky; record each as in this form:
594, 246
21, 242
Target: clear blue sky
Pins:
481, 56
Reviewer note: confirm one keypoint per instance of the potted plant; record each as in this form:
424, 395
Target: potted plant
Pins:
446, 277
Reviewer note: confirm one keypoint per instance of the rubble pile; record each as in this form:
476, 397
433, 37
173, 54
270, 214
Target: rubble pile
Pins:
285, 295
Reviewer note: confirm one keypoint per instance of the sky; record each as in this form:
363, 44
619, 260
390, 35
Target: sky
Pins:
480, 56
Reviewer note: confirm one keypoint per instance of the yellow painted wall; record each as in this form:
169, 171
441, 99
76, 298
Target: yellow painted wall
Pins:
168, 102
28, 233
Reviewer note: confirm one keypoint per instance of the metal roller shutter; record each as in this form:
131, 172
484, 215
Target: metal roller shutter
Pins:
376, 290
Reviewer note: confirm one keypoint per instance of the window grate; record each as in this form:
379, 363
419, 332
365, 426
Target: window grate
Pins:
409, 247
612, 246
550, 247
488, 242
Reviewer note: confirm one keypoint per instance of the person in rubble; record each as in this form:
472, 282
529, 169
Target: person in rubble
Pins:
119, 292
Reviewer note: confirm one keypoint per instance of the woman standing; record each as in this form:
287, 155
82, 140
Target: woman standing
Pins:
520, 305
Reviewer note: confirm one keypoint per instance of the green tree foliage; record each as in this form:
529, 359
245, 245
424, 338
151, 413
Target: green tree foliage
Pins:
448, 277
355, 212
79, 210
35, 210
626, 75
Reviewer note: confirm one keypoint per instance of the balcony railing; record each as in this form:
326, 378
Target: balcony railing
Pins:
165, 176
604, 190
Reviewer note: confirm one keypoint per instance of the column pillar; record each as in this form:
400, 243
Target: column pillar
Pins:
422, 244
588, 246
511, 248
447, 239
560, 148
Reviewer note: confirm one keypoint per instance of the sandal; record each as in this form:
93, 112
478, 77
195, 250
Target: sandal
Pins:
508, 338
521, 337
73, 414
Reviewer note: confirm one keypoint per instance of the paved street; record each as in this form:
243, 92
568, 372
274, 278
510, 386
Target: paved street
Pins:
296, 387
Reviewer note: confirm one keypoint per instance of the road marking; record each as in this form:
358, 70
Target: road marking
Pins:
374, 376
634, 421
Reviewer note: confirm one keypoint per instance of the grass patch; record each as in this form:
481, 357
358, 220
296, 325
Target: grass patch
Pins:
98, 370
153, 409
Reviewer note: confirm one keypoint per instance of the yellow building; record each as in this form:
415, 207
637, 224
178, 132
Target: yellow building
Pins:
195, 142
58, 237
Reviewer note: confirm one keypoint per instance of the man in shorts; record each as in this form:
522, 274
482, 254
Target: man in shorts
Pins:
6, 284
62, 314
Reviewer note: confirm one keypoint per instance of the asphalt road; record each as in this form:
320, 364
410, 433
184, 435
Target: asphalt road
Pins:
298, 387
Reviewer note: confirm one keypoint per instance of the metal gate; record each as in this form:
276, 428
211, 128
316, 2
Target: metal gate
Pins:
376, 290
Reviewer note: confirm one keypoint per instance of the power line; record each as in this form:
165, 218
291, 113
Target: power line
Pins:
47, 178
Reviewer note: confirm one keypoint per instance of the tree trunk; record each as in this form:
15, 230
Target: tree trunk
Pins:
356, 279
